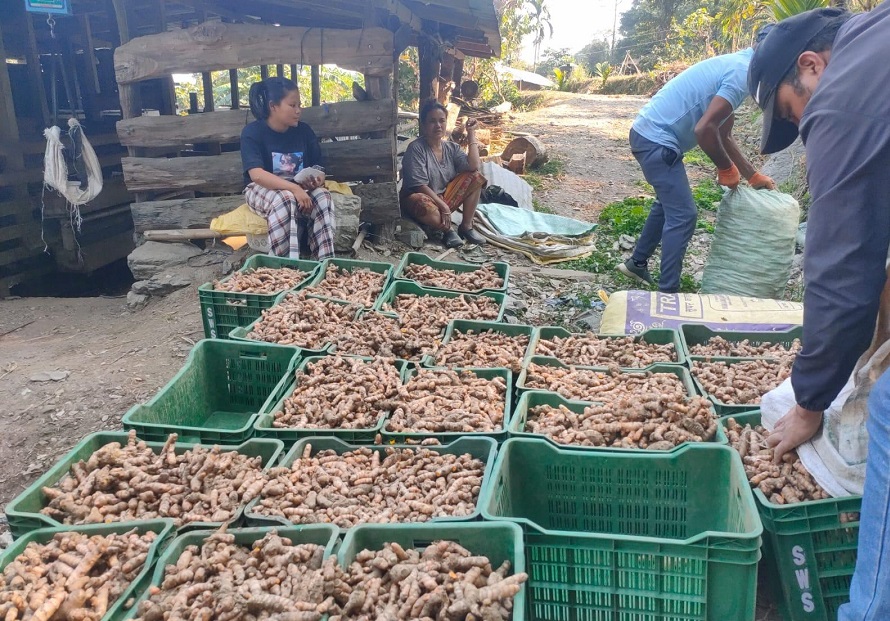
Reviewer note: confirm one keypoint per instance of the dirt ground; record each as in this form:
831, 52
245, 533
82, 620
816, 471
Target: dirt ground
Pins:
588, 133
72, 366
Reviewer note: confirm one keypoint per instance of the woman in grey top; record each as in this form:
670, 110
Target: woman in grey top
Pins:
439, 178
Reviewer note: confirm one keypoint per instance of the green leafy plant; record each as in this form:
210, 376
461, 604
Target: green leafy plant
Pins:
706, 194
783, 9
626, 217
562, 78
603, 71
539, 208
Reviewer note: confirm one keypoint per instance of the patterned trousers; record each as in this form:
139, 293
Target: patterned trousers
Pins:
287, 223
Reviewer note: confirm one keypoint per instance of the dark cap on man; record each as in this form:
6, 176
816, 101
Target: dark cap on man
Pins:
773, 58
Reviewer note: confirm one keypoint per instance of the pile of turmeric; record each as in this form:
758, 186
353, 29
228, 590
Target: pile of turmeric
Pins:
72, 577
590, 349
131, 482
483, 348
262, 280
720, 347
337, 392
272, 579
445, 581
378, 334
361, 285
403, 485
659, 424
741, 383
604, 386
486, 277
443, 400
430, 314
303, 321
786, 483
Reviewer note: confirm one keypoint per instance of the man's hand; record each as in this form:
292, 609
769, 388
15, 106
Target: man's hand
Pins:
759, 181
303, 199
792, 430
729, 177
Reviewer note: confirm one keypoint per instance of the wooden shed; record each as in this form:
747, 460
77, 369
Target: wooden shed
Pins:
110, 63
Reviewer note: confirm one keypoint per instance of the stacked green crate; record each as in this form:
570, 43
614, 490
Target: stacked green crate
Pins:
223, 311
217, 395
644, 535
809, 550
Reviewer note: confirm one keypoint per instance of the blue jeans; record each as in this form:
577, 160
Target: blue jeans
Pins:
672, 219
870, 591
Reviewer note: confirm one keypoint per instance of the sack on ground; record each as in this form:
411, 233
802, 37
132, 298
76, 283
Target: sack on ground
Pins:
632, 312
753, 246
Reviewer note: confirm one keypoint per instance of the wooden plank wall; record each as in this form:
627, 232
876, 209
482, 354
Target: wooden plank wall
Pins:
369, 153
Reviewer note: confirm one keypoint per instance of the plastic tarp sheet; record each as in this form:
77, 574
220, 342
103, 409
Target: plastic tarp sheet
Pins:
543, 238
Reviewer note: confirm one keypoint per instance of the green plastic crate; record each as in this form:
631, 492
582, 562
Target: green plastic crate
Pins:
531, 399
656, 336
644, 535
697, 334
723, 409
418, 258
480, 448
222, 311
448, 437
264, 424
499, 541
350, 265
465, 325
216, 396
23, 512
408, 287
808, 540
116, 609
319, 534
242, 334
673, 369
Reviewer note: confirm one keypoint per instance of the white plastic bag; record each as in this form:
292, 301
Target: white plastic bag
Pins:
753, 246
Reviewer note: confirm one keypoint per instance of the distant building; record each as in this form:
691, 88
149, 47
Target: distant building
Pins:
524, 80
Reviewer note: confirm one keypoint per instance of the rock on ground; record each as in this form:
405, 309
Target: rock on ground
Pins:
153, 258
346, 221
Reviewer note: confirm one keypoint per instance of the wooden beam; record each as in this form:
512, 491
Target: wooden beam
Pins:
176, 235
405, 15
348, 160
316, 85
429, 54
279, 70
90, 55
130, 97
293, 74
458, 75
181, 214
264, 72
213, 46
348, 118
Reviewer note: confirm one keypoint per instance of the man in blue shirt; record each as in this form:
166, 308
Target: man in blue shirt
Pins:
824, 74
695, 108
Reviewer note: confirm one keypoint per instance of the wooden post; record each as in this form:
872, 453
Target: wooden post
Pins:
293, 73
207, 80
264, 71
457, 75
279, 70
89, 53
130, 97
233, 87
316, 85
36, 71
429, 68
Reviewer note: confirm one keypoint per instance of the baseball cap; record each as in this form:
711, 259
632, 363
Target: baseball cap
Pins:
773, 58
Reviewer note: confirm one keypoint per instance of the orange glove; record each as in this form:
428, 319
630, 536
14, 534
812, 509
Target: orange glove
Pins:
759, 181
729, 177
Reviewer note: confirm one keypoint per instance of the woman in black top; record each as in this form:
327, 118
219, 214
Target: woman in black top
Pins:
279, 154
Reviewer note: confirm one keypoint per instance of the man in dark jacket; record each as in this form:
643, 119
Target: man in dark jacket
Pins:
827, 75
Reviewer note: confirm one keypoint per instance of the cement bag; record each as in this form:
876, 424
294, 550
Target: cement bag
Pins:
753, 245
632, 312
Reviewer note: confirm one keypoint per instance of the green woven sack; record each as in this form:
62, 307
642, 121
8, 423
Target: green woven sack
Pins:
753, 246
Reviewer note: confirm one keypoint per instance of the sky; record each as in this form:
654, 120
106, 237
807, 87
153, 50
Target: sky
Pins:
576, 23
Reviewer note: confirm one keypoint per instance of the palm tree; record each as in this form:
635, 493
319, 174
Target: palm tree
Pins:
782, 9
541, 24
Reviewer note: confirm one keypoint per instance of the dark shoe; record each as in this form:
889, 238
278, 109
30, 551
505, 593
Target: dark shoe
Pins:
451, 240
472, 236
636, 272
